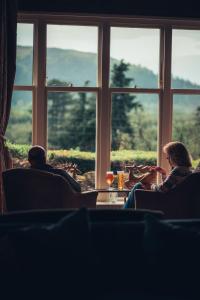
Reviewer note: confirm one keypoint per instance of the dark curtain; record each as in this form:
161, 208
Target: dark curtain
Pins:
8, 32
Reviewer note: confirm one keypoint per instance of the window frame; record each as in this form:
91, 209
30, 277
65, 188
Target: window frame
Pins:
103, 90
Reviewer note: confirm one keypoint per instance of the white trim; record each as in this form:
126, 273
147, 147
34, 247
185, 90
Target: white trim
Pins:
134, 90
39, 81
103, 133
165, 107
72, 89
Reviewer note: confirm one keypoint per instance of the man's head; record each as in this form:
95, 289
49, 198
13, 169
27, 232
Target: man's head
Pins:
37, 156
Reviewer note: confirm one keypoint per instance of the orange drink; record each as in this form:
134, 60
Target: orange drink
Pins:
109, 177
120, 180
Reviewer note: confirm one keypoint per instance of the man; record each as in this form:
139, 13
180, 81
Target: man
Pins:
37, 160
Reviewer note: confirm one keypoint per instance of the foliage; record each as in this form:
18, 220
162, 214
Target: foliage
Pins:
17, 150
122, 104
71, 119
86, 160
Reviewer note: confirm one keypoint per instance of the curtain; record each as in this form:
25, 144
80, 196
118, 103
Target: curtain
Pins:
8, 32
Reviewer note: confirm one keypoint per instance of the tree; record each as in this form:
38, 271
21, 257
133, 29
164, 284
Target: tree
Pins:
80, 126
122, 104
57, 109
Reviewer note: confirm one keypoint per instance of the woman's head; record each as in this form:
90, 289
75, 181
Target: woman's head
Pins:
177, 154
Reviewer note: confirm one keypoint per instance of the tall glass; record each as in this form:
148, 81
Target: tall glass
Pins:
109, 178
120, 180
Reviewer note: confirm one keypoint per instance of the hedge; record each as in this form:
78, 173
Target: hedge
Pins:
86, 160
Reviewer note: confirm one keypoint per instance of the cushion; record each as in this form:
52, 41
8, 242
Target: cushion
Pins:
50, 259
173, 255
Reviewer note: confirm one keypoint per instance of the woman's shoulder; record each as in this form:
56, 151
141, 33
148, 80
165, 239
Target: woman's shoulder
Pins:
181, 171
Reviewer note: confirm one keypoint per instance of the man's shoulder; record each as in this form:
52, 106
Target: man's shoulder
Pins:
59, 171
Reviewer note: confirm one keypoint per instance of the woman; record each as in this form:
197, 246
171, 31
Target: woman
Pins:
180, 161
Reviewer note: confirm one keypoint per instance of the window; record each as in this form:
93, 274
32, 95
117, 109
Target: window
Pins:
24, 62
134, 121
72, 55
186, 88
129, 45
185, 59
19, 130
103, 91
186, 122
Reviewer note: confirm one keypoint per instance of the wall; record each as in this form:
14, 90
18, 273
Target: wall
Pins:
124, 7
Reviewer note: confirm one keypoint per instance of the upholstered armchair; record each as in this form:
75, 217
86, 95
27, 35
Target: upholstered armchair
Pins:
27, 189
181, 202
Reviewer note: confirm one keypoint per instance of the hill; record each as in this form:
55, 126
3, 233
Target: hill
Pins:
77, 67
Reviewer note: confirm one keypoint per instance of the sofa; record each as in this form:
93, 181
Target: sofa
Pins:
98, 254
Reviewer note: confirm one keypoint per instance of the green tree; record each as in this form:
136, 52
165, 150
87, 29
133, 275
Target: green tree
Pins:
80, 126
57, 111
122, 104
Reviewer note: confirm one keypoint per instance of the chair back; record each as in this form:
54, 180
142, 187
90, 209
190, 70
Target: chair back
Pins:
183, 201
27, 189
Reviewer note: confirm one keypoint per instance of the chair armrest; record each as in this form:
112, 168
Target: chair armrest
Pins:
150, 200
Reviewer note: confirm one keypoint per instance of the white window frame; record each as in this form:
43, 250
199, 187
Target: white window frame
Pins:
102, 90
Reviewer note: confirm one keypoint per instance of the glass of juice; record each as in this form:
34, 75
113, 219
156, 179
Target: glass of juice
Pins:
109, 178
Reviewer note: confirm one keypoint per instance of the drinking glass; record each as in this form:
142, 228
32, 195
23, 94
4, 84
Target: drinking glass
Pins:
120, 180
109, 178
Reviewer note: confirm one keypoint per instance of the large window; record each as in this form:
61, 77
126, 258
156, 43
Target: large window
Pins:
103, 92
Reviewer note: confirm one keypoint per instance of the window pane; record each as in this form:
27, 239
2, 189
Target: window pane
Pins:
186, 122
72, 55
185, 59
24, 62
72, 127
130, 45
134, 127
19, 130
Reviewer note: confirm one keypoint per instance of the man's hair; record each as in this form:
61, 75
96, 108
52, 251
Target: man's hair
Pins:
178, 154
37, 154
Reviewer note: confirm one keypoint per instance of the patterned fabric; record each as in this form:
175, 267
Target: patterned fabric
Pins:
176, 176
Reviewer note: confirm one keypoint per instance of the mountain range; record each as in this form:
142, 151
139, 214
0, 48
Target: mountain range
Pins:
80, 68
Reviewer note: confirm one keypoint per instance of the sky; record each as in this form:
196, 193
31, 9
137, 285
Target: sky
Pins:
134, 45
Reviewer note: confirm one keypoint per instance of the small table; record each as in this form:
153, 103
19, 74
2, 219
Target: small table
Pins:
113, 190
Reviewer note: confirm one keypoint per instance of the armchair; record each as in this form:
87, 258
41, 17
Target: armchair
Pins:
181, 202
27, 189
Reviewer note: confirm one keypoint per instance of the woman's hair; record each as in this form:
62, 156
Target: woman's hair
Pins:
178, 154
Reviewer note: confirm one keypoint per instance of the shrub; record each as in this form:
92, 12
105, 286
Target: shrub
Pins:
86, 160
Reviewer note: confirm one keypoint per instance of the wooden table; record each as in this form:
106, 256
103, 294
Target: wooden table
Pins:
113, 203
109, 204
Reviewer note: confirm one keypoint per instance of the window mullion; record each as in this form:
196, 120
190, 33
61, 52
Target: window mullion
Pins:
39, 81
103, 133
165, 106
